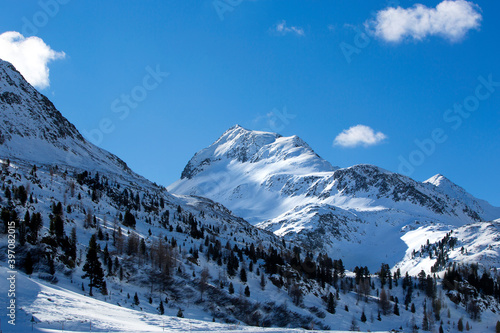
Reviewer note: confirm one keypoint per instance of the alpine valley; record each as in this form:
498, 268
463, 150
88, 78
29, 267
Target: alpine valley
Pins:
259, 234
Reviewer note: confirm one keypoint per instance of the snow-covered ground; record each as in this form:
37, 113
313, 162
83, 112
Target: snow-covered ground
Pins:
476, 243
49, 308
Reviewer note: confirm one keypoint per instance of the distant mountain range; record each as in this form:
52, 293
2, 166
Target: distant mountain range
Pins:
280, 184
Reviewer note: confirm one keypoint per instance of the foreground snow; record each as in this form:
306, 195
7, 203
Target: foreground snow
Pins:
56, 309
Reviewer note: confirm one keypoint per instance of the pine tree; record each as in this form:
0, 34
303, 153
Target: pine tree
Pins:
92, 268
136, 299
179, 313
243, 275
8, 194
498, 327
396, 309
22, 195
22, 233
161, 309
262, 281
460, 325
57, 227
34, 226
231, 288
27, 219
104, 288
441, 329
247, 291
384, 303
425, 320
331, 304
363, 317
28, 264
129, 220
52, 268
72, 243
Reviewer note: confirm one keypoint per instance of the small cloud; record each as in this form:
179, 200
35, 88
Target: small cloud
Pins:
29, 55
451, 19
359, 135
282, 29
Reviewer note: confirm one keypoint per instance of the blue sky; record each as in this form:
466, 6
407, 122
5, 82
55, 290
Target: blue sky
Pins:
311, 68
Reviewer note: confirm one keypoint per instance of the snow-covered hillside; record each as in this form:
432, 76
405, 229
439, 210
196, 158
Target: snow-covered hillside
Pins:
281, 185
33, 130
475, 243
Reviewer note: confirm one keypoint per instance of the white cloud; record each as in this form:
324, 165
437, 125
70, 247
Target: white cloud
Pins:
451, 19
359, 135
281, 28
29, 55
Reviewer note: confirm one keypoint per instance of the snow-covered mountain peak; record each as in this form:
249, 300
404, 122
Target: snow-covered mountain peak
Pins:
27, 112
446, 186
240, 145
440, 181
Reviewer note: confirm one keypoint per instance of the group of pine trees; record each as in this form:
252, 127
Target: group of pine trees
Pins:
280, 265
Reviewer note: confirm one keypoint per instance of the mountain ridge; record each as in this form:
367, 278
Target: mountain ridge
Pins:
32, 129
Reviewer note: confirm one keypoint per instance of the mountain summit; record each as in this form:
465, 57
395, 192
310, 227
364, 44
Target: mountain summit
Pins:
255, 147
245, 168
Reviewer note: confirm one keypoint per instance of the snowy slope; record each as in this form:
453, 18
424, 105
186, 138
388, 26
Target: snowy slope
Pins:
280, 184
50, 308
56, 309
33, 130
476, 243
